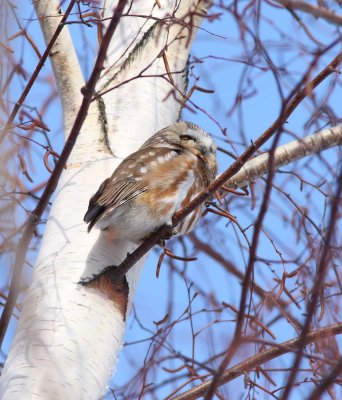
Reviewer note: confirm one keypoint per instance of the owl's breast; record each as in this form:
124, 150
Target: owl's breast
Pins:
172, 187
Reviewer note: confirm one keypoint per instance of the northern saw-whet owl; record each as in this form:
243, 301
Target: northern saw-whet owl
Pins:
152, 184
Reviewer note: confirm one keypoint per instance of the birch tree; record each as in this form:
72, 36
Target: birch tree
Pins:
69, 335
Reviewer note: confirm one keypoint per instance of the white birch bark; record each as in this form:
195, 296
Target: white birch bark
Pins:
68, 337
287, 154
65, 64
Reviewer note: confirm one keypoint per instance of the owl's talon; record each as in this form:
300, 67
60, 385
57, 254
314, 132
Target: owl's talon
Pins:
161, 243
168, 236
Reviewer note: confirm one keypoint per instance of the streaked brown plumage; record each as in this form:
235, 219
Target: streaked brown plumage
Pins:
153, 183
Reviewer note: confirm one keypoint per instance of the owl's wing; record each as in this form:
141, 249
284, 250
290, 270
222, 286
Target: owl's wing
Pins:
112, 194
126, 183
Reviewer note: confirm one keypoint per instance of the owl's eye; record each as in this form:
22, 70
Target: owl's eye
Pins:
186, 137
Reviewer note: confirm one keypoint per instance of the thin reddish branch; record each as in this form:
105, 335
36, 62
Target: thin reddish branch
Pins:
36, 72
255, 361
318, 12
88, 91
46, 158
253, 319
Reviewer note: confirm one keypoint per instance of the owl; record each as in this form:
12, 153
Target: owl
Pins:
155, 182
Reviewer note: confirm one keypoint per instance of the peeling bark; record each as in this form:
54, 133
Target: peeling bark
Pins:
116, 291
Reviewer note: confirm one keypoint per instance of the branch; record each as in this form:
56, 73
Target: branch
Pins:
36, 214
252, 362
55, 30
286, 154
318, 12
63, 58
115, 273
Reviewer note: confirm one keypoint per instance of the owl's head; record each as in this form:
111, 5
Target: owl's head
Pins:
186, 136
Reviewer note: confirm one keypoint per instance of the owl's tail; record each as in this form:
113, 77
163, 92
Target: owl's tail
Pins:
93, 214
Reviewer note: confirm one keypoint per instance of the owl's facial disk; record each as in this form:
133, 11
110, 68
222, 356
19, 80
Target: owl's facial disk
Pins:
186, 136
199, 143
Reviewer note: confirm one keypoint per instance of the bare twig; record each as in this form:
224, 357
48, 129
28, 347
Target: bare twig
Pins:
259, 359
318, 12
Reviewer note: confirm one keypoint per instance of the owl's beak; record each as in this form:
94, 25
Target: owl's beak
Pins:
203, 150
